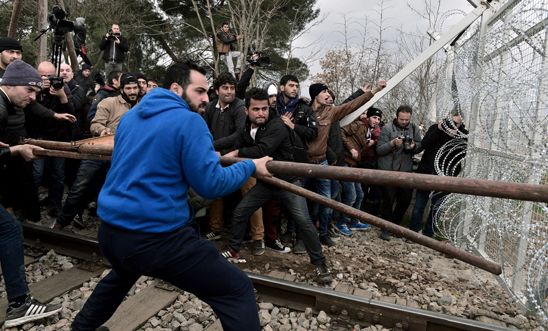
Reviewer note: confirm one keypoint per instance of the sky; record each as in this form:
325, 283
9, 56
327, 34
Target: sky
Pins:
397, 16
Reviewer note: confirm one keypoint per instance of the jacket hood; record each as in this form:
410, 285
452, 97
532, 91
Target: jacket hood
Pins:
158, 101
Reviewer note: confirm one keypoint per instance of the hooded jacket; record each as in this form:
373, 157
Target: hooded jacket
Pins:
396, 158
113, 52
161, 149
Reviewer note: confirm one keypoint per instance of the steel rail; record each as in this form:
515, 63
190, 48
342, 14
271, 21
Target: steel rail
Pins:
358, 308
285, 293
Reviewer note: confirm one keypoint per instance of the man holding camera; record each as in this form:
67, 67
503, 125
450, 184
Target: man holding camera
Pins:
54, 95
114, 47
399, 141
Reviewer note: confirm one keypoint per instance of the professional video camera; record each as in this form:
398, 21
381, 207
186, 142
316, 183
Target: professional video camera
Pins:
256, 58
58, 23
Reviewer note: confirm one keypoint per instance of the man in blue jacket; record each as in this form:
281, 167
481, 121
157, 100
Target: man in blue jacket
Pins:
163, 148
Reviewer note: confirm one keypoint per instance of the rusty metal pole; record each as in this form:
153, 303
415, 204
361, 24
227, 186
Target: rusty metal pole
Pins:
440, 246
482, 187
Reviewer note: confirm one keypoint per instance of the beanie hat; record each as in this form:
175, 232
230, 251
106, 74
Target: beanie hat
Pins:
7, 43
19, 73
272, 90
374, 112
316, 89
86, 66
127, 79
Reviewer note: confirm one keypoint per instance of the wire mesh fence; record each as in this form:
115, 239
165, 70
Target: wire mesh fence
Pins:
497, 76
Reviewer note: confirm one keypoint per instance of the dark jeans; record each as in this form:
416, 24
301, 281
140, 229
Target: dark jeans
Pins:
179, 257
296, 209
352, 195
324, 213
77, 194
11, 255
54, 167
401, 197
18, 189
421, 200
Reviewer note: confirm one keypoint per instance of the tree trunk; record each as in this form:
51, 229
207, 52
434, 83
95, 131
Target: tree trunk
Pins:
12, 29
42, 24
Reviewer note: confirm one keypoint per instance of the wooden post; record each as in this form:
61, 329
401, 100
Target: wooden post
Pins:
12, 29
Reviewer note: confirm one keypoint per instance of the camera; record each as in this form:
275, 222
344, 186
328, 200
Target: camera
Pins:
407, 142
256, 58
56, 82
58, 23
112, 35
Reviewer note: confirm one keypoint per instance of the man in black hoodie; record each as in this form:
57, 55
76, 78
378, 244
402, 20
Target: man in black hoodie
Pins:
114, 47
444, 146
265, 134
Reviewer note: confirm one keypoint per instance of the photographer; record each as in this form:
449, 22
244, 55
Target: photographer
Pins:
55, 95
114, 47
399, 141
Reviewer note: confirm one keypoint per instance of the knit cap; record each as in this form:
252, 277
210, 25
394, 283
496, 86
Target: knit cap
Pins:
7, 43
316, 89
19, 73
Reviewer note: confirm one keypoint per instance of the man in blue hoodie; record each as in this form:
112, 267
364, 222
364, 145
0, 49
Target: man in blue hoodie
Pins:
163, 147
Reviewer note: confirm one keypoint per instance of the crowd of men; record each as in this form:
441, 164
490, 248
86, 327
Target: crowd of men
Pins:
259, 124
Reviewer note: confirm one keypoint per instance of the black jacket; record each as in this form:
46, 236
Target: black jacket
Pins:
51, 129
449, 159
104, 92
271, 139
113, 51
306, 128
225, 125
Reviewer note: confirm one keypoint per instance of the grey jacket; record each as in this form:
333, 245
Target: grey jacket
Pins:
396, 158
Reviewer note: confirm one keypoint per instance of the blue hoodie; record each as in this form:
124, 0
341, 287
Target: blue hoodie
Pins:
162, 148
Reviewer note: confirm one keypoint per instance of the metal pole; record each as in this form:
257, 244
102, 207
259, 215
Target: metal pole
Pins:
440, 246
498, 189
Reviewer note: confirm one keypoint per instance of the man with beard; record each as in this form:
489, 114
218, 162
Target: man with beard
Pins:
266, 134
105, 122
10, 50
19, 87
147, 226
225, 118
399, 141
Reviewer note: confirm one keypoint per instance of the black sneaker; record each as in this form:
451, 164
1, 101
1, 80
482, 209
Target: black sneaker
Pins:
211, 235
326, 241
299, 247
278, 247
323, 274
232, 256
258, 247
29, 311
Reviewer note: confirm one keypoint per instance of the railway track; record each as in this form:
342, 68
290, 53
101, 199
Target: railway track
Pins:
344, 302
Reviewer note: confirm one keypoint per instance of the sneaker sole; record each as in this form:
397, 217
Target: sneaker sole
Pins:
278, 251
258, 253
26, 319
357, 229
342, 233
236, 260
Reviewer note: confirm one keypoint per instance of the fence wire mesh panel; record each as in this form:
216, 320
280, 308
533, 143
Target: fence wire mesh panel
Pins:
496, 76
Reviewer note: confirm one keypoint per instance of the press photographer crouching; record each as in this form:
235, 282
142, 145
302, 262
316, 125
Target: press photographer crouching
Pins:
114, 47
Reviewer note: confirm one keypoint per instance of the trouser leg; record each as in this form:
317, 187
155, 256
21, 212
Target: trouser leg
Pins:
11, 255
256, 224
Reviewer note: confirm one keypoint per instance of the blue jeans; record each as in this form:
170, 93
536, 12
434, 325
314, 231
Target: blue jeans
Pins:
421, 200
11, 255
77, 194
323, 188
55, 167
293, 204
179, 257
352, 195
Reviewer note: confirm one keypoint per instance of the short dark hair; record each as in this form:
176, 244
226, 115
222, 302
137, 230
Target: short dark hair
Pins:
224, 78
179, 73
225, 23
404, 109
288, 78
113, 75
255, 94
